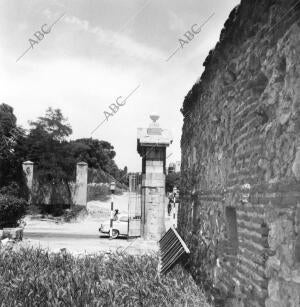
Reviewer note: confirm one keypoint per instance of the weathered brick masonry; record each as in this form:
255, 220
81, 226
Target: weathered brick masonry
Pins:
240, 189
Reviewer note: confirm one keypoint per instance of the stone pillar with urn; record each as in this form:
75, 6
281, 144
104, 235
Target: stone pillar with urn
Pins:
151, 145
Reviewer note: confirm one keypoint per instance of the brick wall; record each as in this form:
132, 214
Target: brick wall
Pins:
240, 186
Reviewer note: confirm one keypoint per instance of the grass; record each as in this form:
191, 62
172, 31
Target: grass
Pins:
35, 277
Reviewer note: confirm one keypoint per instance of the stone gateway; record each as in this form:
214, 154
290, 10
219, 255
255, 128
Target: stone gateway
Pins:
151, 145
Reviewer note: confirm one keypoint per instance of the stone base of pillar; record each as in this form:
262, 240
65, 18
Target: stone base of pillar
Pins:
153, 206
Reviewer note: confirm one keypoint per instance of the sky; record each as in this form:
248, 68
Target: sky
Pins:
99, 51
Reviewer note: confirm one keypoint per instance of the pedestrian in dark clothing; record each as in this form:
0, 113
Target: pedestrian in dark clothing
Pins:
116, 215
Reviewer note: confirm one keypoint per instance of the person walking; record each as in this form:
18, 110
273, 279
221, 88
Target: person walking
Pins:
170, 206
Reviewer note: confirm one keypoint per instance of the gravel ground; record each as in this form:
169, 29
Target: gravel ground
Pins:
82, 236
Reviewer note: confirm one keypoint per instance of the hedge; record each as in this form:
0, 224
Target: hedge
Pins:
12, 209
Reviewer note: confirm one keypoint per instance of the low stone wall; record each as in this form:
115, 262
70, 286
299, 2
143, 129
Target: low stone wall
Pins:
51, 194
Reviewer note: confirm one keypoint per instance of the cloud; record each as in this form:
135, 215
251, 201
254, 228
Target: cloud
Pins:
119, 41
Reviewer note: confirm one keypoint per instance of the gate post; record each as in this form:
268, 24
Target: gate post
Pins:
151, 145
81, 184
28, 168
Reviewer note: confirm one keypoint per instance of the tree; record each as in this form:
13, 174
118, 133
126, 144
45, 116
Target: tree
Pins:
99, 155
47, 147
96, 153
7, 127
10, 163
7, 119
54, 124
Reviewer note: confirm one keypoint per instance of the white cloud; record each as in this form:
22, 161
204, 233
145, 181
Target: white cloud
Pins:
123, 43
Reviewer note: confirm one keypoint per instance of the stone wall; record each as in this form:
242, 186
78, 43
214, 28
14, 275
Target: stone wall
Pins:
240, 186
153, 204
51, 194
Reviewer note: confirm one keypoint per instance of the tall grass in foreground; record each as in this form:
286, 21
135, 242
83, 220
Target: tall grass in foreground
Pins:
35, 277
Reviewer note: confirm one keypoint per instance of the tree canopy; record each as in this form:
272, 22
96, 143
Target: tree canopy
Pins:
46, 144
10, 136
54, 124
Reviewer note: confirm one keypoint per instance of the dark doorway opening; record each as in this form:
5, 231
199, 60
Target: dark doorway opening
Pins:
232, 234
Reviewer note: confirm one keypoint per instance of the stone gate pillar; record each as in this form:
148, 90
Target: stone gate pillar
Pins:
151, 145
28, 170
80, 198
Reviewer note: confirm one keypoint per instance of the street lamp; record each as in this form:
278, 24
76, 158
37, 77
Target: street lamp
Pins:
112, 189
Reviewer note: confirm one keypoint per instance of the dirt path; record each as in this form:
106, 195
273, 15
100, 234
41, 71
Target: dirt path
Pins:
82, 236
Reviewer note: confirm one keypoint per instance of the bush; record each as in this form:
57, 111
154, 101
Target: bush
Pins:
74, 212
12, 209
14, 189
55, 210
34, 277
